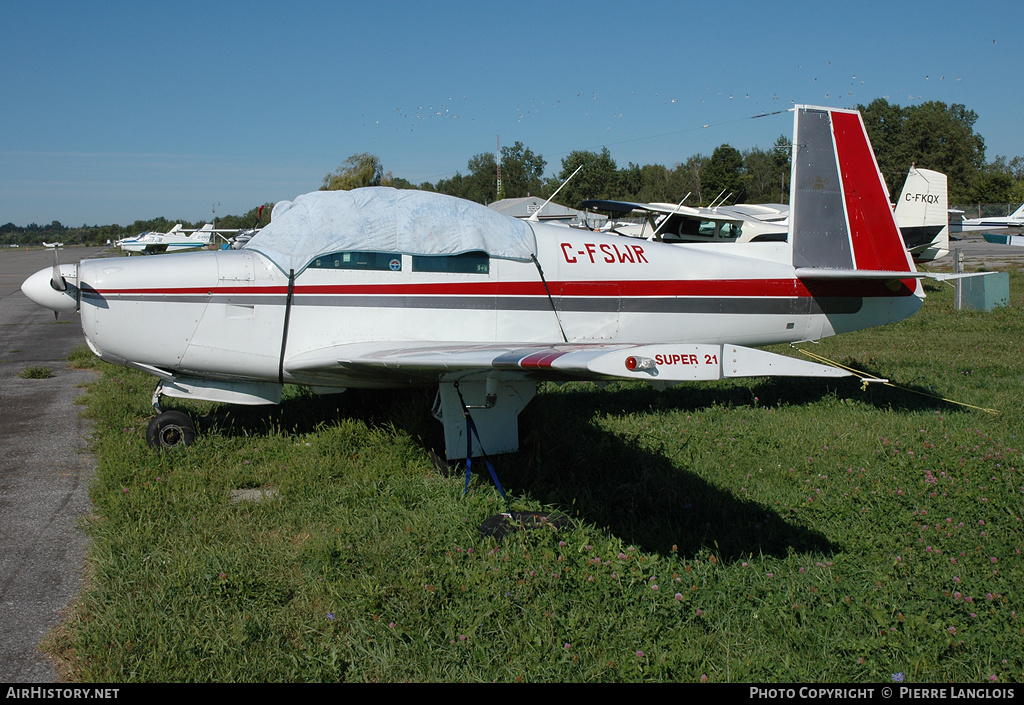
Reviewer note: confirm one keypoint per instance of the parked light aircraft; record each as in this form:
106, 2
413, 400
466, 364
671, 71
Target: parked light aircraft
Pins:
922, 214
379, 287
1014, 220
53, 245
174, 240
667, 222
239, 240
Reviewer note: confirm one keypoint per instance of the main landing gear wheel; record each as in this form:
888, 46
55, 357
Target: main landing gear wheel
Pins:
171, 429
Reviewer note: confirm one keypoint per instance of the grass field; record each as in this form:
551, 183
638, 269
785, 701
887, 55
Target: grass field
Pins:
748, 531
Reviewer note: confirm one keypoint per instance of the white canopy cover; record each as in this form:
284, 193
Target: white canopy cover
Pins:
382, 219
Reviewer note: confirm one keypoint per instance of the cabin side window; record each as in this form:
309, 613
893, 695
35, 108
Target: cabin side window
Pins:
689, 227
731, 231
380, 261
466, 263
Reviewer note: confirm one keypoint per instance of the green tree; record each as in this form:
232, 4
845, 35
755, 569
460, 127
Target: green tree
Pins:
1014, 169
689, 178
991, 186
357, 171
454, 186
253, 218
522, 172
766, 173
650, 183
598, 177
931, 135
723, 175
480, 185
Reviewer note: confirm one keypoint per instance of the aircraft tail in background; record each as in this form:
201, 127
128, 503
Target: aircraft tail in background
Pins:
922, 214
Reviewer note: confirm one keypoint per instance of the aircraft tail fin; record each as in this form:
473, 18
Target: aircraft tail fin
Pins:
923, 200
922, 214
841, 223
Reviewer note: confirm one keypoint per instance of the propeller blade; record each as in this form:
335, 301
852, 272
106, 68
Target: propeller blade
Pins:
57, 280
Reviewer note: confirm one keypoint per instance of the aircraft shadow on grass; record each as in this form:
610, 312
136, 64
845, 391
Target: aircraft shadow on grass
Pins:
618, 483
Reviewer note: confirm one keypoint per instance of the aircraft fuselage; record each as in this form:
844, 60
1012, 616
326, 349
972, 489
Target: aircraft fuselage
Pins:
222, 314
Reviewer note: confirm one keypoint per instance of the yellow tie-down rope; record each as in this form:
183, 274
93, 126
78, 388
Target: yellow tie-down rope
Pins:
867, 380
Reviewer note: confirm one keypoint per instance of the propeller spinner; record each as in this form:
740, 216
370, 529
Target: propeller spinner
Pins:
50, 287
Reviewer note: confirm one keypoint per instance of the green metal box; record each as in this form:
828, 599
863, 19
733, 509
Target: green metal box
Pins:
986, 292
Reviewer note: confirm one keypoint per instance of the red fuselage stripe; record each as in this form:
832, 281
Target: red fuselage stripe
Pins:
787, 288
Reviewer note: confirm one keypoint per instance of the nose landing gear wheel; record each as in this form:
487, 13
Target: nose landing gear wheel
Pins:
171, 429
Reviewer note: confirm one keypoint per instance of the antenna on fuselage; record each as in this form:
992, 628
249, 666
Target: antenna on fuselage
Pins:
536, 214
715, 203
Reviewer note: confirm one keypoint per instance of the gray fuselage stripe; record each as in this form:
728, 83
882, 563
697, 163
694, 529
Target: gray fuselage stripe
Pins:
795, 305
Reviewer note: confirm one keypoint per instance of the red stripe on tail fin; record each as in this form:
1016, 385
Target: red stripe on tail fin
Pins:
877, 244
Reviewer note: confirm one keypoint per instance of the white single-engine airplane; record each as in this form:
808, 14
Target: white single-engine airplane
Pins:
174, 240
379, 287
678, 223
987, 224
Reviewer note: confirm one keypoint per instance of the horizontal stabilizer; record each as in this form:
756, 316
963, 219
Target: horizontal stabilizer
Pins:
825, 273
1016, 240
749, 362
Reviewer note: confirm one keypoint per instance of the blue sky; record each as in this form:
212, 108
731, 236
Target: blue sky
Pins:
118, 111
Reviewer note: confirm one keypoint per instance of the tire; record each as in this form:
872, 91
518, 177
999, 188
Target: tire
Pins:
171, 429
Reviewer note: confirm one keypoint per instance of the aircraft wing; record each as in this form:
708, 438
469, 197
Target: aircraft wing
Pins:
619, 209
667, 362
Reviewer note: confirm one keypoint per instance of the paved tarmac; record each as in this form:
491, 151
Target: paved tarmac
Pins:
979, 253
45, 467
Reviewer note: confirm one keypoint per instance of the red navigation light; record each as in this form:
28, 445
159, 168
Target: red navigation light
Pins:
631, 363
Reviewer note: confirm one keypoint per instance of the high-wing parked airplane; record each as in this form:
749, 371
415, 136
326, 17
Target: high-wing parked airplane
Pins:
53, 245
1014, 220
385, 288
922, 214
669, 222
174, 240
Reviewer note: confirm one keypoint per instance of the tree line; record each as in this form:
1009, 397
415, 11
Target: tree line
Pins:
930, 135
33, 233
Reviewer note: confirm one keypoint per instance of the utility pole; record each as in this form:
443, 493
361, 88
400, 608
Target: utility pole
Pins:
958, 291
497, 158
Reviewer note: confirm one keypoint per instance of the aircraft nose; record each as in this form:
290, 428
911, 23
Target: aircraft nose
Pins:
39, 288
